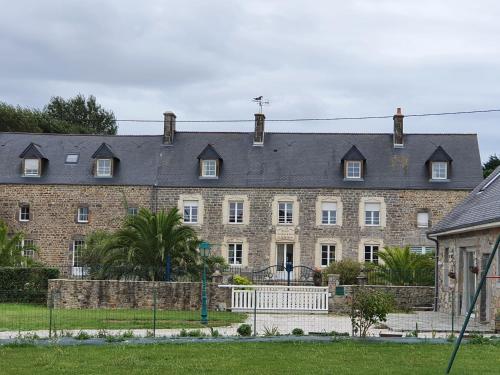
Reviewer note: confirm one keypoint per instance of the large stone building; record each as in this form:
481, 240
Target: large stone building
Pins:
466, 237
263, 198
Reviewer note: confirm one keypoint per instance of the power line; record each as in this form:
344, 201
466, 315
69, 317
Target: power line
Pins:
456, 113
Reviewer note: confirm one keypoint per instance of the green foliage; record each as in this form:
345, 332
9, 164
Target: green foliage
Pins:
82, 335
369, 308
478, 339
76, 115
490, 165
214, 332
25, 284
402, 267
241, 280
298, 332
273, 331
347, 269
244, 330
11, 254
214, 262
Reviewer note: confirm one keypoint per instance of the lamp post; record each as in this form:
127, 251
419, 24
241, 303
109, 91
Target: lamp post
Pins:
205, 253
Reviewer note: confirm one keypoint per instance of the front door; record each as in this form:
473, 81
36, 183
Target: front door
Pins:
469, 280
284, 255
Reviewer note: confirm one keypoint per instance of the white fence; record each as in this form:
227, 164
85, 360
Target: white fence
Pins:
273, 298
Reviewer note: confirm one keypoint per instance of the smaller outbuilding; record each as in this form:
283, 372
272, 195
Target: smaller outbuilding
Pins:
466, 237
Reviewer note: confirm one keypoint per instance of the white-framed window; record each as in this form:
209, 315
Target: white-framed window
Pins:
329, 213
72, 158
327, 254
423, 219
422, 249
285, 212
235, 254
372, 214
439, 170
83, 215
103, 167
77, 266
353, 169
24, 213
191, 212
371, 254
132, 211
27, 247
209, 168
32, 167
235, 212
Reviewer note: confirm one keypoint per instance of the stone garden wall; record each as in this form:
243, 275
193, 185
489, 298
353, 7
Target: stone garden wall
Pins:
110, 294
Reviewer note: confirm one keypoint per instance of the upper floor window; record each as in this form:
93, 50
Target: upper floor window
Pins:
439, 170
353, 169
327, 255
191, 212
371, 254
83, 215
423, 219
32, 167
329, 213
372, 214
209, 168
24, 213
132, 211
103, 167
235, 254
285, 212
236, 212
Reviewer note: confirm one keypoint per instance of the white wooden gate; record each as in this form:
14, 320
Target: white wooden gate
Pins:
277, 298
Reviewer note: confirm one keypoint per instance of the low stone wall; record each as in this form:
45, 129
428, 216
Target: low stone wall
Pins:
110, 294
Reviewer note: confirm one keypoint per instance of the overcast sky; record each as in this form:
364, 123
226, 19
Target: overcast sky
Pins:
207, 59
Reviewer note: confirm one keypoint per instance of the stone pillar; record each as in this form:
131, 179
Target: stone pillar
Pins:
333, 281
217, 277
362, 278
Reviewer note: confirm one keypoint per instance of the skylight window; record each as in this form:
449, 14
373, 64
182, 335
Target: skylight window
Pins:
72, 158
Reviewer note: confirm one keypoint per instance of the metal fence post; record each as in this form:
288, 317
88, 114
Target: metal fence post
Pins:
154, 309
453, 311
255, 312
51, 307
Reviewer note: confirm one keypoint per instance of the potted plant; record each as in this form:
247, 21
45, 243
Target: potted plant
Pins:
452, 275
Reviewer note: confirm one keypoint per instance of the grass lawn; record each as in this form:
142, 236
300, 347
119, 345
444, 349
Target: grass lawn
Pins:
250, 358
27, 317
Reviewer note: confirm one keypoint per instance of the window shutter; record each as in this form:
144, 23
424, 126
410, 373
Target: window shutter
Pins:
372, 206
423, 219
329, 206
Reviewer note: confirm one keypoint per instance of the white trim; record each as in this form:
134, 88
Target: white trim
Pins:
327, 241
191, 197
295, 209
382, 213
237, 240
246, 209
467, 229
319, 210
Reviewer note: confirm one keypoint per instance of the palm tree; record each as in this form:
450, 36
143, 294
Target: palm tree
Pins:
402, 267
11, 253
141, 248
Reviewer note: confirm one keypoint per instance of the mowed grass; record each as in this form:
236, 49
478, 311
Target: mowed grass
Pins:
27, 317
250, 358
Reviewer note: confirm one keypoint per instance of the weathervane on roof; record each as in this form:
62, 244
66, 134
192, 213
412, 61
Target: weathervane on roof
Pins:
260, 100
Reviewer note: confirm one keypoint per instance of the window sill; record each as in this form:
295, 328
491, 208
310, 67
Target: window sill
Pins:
24, 221
208, 177
82, 222
329, 225
30, 176
439, 180
353, 179
286, 224
103, 176
194, 224
229, 223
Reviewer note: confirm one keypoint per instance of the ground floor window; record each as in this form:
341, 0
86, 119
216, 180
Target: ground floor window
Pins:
235, 254
327, 255
371, 254
77, 266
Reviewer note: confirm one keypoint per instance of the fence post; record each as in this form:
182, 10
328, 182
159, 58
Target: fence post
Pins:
255, 312
154, 309
453, 311
51, 307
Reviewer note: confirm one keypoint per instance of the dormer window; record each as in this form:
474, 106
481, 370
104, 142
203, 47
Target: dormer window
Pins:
210, 163
209, 168
353, 169
105, 162
353, 165
439, 165
439, 170
32, 167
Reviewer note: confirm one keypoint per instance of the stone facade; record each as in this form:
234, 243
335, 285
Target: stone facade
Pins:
458, 253
53, 224
109, 294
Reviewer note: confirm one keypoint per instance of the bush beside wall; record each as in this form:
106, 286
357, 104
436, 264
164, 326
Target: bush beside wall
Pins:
27, 285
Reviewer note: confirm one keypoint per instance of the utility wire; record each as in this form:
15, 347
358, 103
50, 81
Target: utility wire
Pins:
326, 118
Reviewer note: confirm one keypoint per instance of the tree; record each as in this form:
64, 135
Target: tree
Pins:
84, 112
11, 253
490, 165
369, 308
402, 267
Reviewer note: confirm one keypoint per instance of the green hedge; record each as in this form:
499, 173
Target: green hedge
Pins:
28, 285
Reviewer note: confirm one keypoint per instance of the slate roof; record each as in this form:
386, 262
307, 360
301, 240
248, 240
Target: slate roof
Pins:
209, 153
103, 152
33, 151
440, 155
482, 206
353, 154
286, 160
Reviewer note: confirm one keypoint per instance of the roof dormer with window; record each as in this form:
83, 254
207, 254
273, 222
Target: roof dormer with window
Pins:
210, 163
439, 166
33, 161
353, 165
105, 162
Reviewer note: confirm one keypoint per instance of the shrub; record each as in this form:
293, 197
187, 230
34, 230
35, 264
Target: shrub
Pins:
82, 335
347, 269
241, 280
245, 330
298, 332
273, 331
128, 334
369, 308
25, 284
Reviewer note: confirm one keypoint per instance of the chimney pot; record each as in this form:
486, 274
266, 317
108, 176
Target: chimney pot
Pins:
168, 127
258, 138
398, 136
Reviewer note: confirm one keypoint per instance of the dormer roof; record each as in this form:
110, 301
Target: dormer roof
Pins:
353, 154
33, 151
209, 153
104, 152
440, 154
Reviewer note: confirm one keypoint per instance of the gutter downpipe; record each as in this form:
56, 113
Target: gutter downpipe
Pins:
436, 272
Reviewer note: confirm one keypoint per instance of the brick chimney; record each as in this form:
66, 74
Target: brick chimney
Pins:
168, 127
398, 129
258, 137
